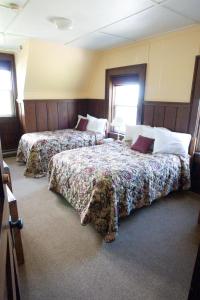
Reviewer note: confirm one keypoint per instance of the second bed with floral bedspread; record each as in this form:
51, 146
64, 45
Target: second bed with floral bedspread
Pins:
36, 149
106, 182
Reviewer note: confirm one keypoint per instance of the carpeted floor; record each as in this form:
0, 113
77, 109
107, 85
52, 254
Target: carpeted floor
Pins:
152, 258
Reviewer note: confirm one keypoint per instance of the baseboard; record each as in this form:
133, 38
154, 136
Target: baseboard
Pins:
9, 153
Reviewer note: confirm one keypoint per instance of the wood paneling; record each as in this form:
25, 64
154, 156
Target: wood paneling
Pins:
170, 117
97, 108
182, 118
174, 116
29, 117
72, 114
40, 115
52, 115
63, 121
9, 133
159, 116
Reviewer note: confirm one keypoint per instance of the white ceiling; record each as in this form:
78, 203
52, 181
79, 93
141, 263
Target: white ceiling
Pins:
96, 24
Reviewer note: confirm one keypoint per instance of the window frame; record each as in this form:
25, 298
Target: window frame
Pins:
120, 81
125, 72
11, 59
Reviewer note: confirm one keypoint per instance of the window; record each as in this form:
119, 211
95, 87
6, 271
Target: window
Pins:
7, 106
125, 103
124, 96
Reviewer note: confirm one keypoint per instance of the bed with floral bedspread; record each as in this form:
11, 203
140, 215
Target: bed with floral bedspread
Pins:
36, 149
107, 182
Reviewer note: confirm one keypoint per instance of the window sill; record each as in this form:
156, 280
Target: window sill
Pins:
3, 119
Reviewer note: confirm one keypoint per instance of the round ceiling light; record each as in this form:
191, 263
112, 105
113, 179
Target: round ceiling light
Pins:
61, 23
14, 6
11, 5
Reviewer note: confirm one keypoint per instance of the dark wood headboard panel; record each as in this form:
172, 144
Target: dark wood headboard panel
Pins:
40, 115
171, 115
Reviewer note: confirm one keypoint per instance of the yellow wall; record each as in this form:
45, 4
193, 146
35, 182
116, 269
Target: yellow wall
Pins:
170, 63
21, 61
54, 71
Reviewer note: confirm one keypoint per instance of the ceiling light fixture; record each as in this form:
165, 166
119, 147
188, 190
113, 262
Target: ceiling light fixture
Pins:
11, 5
61, 23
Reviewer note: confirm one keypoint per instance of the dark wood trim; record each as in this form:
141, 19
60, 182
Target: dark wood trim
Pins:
140, 71
194, 127
9, 126
165, 103
195, 95
11, 58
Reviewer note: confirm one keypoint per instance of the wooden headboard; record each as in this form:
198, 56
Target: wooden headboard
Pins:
171, 115
40, 115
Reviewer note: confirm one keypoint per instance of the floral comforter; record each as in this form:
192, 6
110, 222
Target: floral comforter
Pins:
36, 149
106, 182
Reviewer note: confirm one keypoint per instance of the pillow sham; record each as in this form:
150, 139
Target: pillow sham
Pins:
133, 131
171, 142
143, 144
96, 125
82, 125
148, 132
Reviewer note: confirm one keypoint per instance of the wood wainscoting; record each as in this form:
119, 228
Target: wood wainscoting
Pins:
172, 115
9, 133
97, 108
40, 115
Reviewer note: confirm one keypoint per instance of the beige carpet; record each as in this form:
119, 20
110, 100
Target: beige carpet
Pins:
151, 259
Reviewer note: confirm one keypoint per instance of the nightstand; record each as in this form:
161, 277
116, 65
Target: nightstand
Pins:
114, 135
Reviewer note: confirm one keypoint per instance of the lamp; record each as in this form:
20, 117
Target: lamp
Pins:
118, 123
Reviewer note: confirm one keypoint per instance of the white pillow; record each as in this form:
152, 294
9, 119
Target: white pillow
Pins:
96, 125
148, 132
79, 117
133, 131
171, 142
